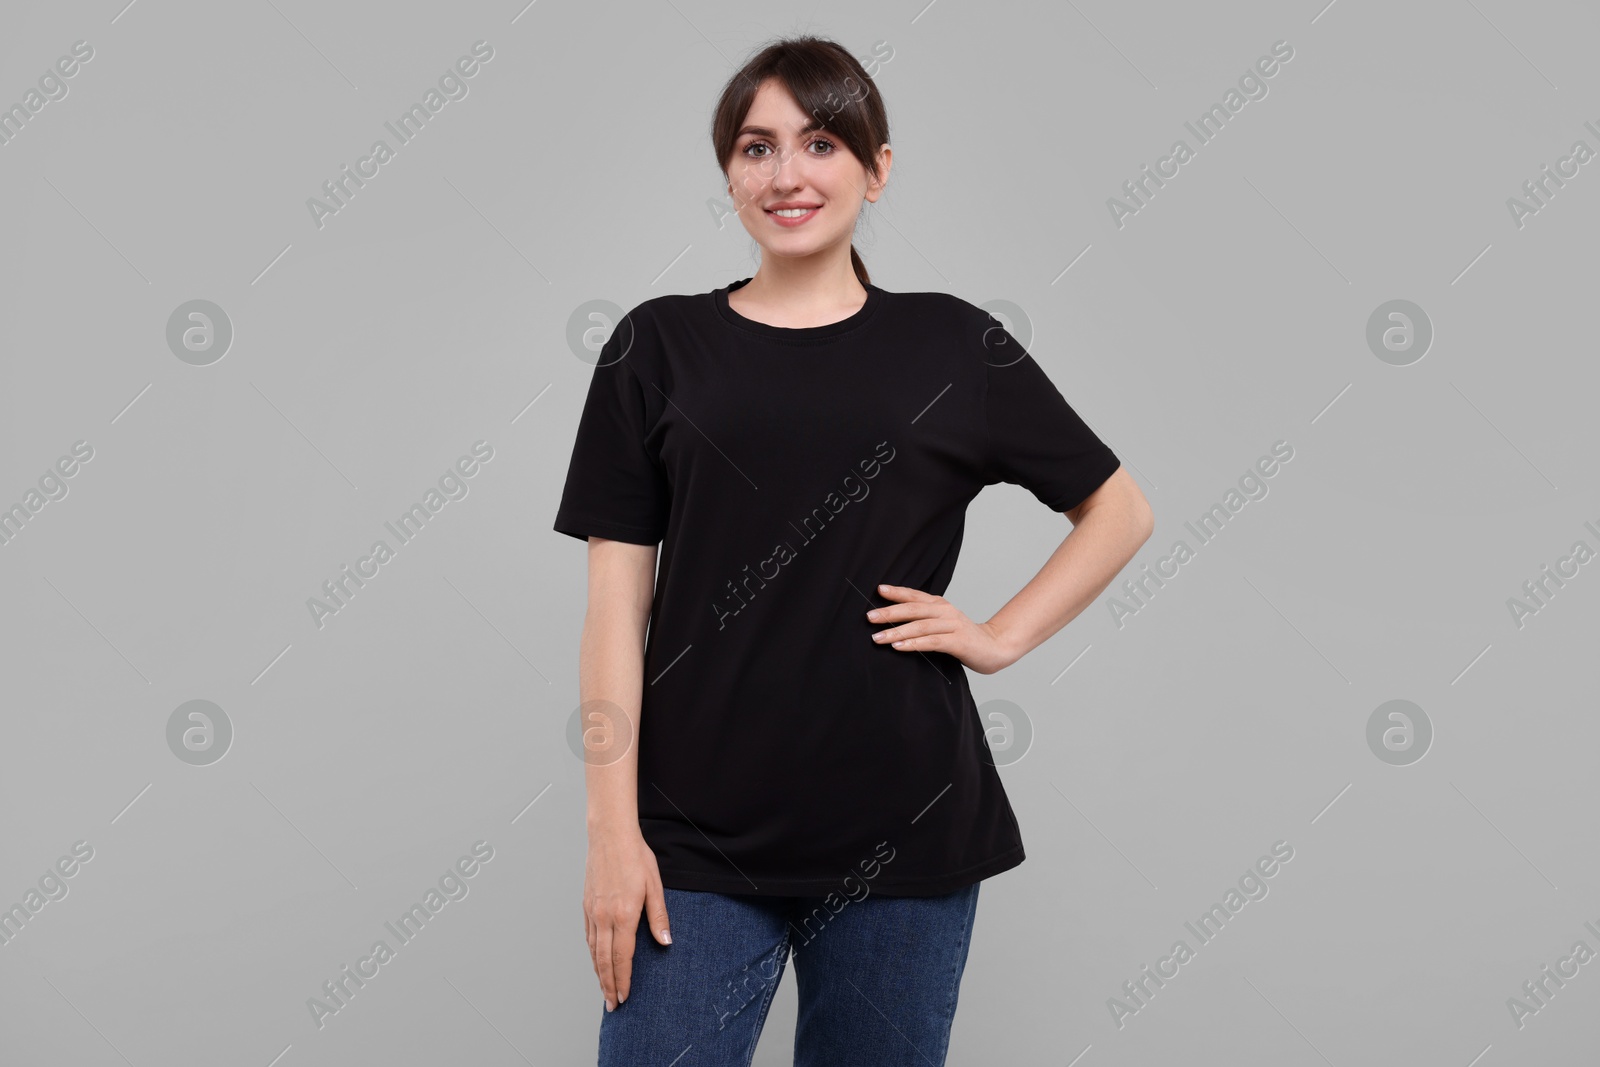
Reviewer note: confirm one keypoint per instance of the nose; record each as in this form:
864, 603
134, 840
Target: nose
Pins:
787, 170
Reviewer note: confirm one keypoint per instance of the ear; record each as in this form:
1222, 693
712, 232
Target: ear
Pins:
876, 184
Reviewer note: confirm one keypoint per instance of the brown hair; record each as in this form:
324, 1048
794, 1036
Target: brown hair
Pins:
828, 83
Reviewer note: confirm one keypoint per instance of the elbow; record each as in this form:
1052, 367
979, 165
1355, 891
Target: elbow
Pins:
1144, 520
1139, 521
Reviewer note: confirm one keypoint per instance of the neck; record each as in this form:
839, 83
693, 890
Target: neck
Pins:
811, 283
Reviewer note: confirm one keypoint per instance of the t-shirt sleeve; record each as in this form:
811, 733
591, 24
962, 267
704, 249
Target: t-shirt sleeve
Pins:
1033, 436
615, 488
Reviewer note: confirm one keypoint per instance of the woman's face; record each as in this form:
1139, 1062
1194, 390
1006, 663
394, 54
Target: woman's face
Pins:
778, 163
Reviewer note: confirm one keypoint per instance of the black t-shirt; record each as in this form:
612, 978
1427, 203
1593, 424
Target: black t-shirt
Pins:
786, 473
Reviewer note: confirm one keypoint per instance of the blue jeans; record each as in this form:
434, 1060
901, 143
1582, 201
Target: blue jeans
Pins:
878, 980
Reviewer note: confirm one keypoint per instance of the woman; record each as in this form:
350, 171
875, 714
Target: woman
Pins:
793, 764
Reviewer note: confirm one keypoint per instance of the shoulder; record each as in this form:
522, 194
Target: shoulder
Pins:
962, 318
951, 324
635, 339
666, 316
649, 315
935, 303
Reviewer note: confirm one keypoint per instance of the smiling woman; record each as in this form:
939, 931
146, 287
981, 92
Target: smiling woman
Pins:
803, 139
836, 714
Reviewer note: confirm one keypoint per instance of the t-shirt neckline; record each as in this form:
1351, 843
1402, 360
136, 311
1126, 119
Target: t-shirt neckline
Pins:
766, 330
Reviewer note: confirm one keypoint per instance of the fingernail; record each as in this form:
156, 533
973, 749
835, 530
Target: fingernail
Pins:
610, 1006
666, 937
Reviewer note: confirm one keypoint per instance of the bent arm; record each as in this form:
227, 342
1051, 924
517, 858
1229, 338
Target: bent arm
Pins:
1107, 529
622, 580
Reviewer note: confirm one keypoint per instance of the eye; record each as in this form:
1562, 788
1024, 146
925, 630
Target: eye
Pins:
749, 152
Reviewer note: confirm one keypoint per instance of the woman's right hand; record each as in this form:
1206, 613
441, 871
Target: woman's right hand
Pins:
620, 883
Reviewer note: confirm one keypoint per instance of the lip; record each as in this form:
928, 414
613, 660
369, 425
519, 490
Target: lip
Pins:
799, 220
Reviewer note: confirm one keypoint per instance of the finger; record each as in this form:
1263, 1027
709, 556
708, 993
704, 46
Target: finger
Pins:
918, 628
904, 592
655, 911
602, 964
938, 610
622, 942
919, 609
926, 643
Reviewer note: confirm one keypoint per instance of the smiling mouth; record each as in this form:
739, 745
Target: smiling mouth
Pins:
792, 216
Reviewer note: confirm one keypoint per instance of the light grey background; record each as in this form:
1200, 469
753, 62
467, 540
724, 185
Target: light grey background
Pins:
432, 312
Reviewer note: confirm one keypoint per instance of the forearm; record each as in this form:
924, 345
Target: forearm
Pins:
610, 686
1102, 542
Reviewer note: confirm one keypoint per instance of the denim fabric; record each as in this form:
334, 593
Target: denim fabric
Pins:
878, 980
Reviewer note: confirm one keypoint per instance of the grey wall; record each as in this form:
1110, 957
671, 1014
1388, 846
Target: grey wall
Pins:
1152, 759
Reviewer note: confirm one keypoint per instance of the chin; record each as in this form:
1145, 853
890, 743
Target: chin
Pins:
796, 249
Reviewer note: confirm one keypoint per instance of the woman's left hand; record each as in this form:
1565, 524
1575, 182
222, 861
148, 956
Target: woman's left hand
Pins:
928, 623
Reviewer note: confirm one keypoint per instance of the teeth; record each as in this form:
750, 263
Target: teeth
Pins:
792, 212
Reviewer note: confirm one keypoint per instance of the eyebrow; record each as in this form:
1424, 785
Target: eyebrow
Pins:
761, 131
